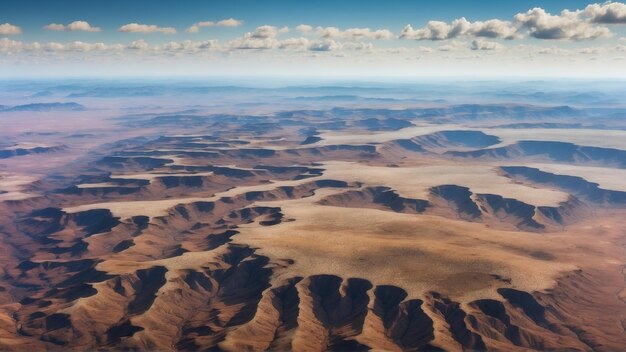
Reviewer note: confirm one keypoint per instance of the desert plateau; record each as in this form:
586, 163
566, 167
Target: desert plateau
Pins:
338, 228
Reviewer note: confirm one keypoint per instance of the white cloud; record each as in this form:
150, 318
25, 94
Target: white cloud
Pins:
9, 29
434, 30
205, 24
493, 29
138, 45
254, 43
230, 22
13, 46
187, 45
304, 28
263, 32
608, 12
536, 22
83, 46
55, 27
173, 46
75, 46
480, 44
328, 32
193, 29
567, 25
53, 46
294, 43
263, 37
358, 46
353, 33
325, 45
82, 26
146, 28
437, 30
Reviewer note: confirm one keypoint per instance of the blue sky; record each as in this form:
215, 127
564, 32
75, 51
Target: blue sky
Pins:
344, 36
111, 14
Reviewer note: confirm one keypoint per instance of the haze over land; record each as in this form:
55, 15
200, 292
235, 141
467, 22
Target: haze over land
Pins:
421, 216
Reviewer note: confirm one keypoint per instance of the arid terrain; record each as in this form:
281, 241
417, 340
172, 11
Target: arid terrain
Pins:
311, 218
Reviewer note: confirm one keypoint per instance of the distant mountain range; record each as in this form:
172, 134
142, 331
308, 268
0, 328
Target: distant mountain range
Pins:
71, 106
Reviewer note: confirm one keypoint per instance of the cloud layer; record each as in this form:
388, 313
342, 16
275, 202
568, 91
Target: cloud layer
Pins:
534, 37
589, 23
146, 28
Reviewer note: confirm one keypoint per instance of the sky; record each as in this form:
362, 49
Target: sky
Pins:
279, 38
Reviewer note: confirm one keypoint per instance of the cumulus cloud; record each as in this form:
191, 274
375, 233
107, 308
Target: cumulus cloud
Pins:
608, 12
193, 29
294, 43
82, 26
255, 43
304, 28
325, 45
264, 32
480, 44
493, 29
55, 27
353, 33
138, 45
438, 30
229, 22
434, 30
9, 29
536, 22
567, 25
146, 28
13, 46
263, 37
